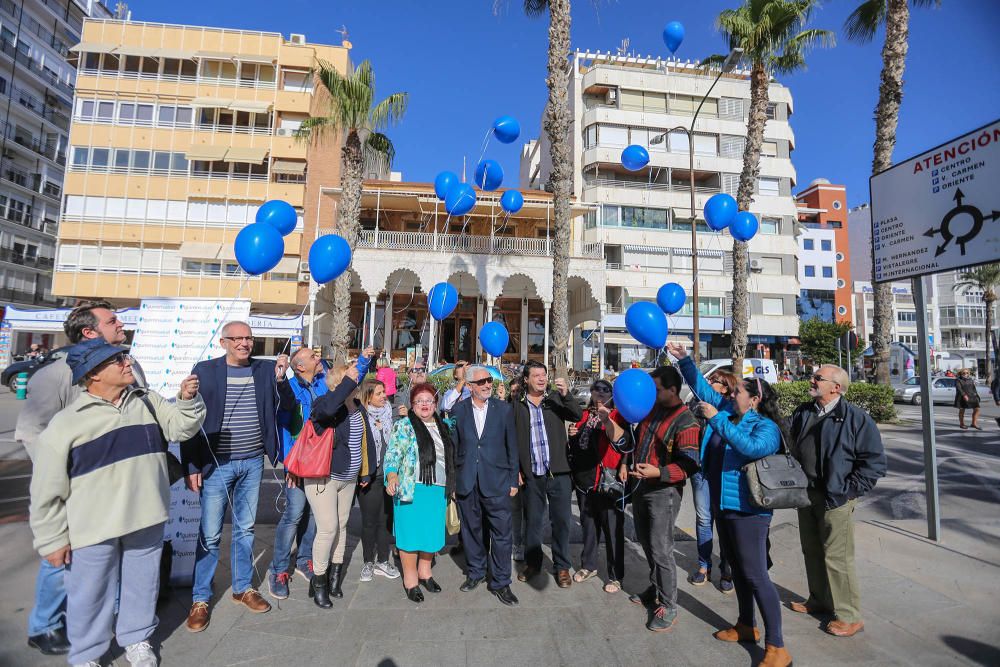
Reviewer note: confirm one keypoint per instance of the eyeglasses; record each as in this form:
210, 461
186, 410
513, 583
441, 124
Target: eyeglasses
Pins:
820, 378
600, 390
715, 381
238, 339
416, 371
424, 401
482, 381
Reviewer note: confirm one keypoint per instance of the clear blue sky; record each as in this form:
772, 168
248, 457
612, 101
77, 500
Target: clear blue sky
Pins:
463, 66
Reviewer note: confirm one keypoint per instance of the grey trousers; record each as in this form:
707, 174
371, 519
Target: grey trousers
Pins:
129, 564
655, 511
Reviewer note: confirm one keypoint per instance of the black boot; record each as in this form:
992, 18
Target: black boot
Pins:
336, 579
319, 592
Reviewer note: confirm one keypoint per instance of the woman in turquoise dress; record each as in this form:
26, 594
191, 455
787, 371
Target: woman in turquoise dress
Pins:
420, 475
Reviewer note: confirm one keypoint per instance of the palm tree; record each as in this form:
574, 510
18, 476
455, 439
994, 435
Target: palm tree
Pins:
774, 39
352, 111
987, 279
861, 27
557, 122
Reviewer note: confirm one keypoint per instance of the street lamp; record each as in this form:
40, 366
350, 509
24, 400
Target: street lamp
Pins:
728, 65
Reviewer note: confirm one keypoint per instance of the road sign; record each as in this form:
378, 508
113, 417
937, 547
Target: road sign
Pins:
939, 210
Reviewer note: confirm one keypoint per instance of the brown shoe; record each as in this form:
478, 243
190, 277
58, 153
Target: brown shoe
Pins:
528, 573
840, 629
563, 579
738, 633
252, 600
775, 657
806, 607
198, 617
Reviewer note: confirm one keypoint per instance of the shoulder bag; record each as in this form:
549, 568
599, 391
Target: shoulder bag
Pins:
312, 453
777, 481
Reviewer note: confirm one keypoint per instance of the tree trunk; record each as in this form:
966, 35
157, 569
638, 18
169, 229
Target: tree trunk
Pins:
759, 80
890, 96
557, 124
348, 225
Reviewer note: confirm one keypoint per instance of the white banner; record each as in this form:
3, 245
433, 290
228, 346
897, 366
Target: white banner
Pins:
171, 336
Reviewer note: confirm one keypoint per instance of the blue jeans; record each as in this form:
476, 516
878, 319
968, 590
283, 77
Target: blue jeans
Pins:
295, 522
240, 480
49, 612
706, 515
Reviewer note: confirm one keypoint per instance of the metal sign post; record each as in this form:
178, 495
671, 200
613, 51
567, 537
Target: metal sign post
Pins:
927, 416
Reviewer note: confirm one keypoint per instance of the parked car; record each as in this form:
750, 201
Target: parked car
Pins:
942, 389
9, 376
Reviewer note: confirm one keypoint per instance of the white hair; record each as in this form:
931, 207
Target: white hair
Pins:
225, 327
475, 368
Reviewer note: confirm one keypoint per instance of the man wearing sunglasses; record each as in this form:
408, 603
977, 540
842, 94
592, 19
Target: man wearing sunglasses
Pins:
225, 462
841, 453
486, 462
50, 390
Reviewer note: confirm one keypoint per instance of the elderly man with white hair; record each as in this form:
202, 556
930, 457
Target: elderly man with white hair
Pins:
841, 453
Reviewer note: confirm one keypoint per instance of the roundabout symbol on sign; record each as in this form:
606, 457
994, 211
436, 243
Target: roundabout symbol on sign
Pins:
945, 229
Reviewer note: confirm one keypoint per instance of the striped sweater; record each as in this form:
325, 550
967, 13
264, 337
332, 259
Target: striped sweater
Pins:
100, 470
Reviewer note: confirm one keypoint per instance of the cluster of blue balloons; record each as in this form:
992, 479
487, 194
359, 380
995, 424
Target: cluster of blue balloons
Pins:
721, 211
259, 246
459, 198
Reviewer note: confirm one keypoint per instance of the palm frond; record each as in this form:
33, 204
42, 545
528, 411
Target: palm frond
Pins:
865, 20
380, 146
536, 8
388, 112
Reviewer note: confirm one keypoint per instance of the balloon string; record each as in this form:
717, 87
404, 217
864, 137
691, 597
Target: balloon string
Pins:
486, 143
288, 341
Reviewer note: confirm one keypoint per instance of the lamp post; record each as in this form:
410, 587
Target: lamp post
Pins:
728, 65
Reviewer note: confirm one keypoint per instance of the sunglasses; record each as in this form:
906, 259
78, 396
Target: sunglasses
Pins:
415, 371
118, 359
820, 378
482, 381
600, 389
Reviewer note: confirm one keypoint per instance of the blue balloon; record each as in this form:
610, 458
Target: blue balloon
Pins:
489, 175
673, 35
512, 201
259, 248
494, 338
647, 324
506, 129
443, 182
279, 214
635, 394
329, 256
720, 210
442, 300
744, 226
635, 157
460, 200
670, 298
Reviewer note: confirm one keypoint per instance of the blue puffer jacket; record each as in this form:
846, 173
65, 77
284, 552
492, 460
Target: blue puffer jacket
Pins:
305, 393
753, 437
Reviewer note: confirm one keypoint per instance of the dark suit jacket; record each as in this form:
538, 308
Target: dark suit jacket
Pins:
330, 411
490, 459
212, 376
556, 411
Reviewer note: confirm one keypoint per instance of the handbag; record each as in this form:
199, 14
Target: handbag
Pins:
312, 453
777, 482
451, 521
609, 484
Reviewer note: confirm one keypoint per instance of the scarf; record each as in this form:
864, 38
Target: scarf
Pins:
425, 446
593, 421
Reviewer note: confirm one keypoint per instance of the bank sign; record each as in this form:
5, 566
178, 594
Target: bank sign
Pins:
938, 211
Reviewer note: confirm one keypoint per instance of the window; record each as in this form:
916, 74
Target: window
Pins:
85, 109
296, 81
772, 109
105, 110
769, 186
99, 158
708, 306
769, 149
826, 245
121, 159
906, 316
80, 156
646, 218
590, 136
807, 244
706, 144
613, 135
126, 113
810, 271
834, 224
770, 226
828, 272
679, 142
167, 115
770, 266
140, 160
770, 306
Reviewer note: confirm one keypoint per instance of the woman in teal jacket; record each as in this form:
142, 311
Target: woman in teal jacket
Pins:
741, 429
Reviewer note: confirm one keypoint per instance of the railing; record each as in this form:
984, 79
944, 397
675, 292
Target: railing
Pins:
33, 182
34, 67
232, 177
641, 185
613, 266
10, 294
960, 321
181, 78
495, 245
49, 149
37, 107
10, 255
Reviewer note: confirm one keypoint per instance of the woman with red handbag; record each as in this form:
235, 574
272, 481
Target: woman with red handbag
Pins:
331, 496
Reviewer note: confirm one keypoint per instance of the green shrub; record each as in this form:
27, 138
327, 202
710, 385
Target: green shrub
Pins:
874, 399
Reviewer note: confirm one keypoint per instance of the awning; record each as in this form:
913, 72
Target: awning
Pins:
180, 54
640, 292
205, 152
215, 55
134, 51
252, 107
92, 47
262, 60
293, 167
212, 102
254, 155
196, 250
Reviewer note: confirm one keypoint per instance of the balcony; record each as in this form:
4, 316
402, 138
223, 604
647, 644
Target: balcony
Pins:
38, 108
36, 183
467, 243
676, 186
221, 82
11, 295
14, 257
31, 65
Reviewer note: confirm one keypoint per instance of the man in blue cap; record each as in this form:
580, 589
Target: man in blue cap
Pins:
100, 494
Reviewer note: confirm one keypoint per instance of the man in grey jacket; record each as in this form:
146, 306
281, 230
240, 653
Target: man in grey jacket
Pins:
50, 390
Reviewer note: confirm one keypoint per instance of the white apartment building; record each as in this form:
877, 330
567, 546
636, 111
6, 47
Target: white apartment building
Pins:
643, 218
956, 318
36, 93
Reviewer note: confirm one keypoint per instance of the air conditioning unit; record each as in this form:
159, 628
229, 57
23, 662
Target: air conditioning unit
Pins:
756, 266
296, 38
612, 96
285, 132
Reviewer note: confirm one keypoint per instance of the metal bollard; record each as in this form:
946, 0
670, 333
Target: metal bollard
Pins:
22, 386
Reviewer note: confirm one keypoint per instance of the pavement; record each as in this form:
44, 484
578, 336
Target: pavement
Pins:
924, 603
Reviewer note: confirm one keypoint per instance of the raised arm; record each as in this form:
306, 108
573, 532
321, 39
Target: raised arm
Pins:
762, 439
325, 408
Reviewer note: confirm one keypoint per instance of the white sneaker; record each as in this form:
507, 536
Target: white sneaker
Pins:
367, 570
92, 663
517, 553
387, 570
141, 654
